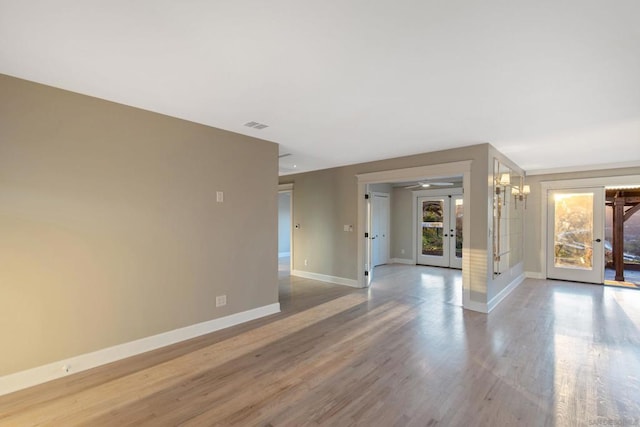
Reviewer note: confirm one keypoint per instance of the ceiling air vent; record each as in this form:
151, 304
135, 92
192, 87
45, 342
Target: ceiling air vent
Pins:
256, 125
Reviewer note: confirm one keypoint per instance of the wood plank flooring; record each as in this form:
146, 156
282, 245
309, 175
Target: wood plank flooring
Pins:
402, 353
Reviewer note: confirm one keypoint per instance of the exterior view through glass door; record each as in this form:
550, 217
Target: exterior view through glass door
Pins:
455, 231
575, 242
440, 231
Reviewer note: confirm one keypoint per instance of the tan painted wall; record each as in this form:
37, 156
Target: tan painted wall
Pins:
325, 200
109, 227
402, 226
533, 231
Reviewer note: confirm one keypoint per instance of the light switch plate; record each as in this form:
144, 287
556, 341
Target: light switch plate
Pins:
221, 300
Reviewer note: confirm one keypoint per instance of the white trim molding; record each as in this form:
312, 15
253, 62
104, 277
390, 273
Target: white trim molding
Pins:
406, 261
480, 307
505, 292
584, 168
534, 275
325, 278
41, 374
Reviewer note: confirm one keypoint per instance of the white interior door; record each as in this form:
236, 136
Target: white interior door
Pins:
575, 234
380, 228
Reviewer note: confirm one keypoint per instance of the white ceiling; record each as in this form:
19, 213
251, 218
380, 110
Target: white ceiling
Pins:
552, 84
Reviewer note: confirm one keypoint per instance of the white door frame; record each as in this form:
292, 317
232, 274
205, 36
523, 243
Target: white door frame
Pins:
594, 274
288, 188
429, 193
454, 261
363, 261
434, 260
545, 186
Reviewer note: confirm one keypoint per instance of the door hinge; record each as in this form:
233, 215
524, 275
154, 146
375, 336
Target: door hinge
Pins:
366, 273
366, 235
366, 196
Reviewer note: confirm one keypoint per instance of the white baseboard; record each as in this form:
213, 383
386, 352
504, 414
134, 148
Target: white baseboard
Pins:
403, 261
503, 293
480, 307
325, 278
283, 254
30, 377
534, 275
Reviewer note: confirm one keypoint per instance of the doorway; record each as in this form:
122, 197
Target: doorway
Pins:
440, 230
364, 259
575, 243
285, 221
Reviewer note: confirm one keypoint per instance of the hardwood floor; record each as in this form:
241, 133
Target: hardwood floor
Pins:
402, 353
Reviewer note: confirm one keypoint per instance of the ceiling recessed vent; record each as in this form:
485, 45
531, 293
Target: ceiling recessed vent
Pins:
256, 125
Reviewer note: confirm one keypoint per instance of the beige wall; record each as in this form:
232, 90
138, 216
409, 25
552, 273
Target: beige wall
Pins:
533, 228
110, 227
325, 200
402, 226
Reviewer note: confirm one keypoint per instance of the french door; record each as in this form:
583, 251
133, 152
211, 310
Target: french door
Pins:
440, 231
575, 234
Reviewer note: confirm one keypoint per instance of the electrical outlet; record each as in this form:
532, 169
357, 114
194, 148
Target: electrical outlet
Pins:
306, 262
219, 196
402, 251
221, 300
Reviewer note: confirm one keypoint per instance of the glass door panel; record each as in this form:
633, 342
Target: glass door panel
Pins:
432, 224
575, 235
434, 237
457, 212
